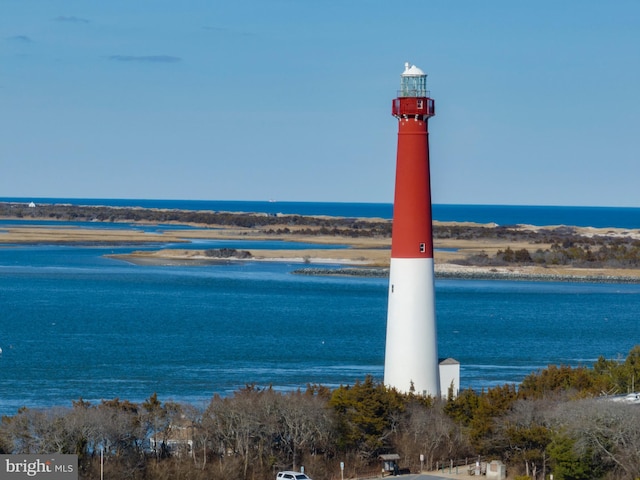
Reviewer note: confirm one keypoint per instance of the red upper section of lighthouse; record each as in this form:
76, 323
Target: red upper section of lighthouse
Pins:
412, 224
406, 107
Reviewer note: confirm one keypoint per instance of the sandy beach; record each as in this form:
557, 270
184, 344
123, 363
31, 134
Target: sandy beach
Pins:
365, 251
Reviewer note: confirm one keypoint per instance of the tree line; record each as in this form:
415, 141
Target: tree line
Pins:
621, 254
557, 420
314, 225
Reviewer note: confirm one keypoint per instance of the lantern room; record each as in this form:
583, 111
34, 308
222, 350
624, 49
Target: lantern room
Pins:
413, 97
413, 82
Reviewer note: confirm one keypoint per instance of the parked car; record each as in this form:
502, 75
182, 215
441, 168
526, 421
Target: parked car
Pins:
288, 475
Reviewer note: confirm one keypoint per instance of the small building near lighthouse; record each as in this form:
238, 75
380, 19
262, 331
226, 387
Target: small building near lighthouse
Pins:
449, 377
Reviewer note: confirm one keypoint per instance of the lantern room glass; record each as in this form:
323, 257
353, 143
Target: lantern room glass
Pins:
413, 86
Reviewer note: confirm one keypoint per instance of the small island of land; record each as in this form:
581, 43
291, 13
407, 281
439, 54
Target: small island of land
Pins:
360, 246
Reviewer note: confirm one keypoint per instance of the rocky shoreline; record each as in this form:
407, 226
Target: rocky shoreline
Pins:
344, 272
533, 277
471, 274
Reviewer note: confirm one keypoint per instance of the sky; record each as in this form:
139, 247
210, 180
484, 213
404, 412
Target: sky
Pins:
537, 103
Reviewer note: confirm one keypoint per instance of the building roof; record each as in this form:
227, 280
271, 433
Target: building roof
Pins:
389, 456
412, 71
449, 361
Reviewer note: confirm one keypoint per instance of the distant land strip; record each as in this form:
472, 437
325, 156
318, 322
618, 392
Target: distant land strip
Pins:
462, 249
470, 274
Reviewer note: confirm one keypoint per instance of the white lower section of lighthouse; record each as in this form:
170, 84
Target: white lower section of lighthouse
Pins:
411, 357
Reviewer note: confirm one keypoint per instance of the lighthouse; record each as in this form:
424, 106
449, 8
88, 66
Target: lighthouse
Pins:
411, 354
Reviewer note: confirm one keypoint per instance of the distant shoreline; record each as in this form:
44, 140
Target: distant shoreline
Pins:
345, 267
367, 241
580, 216
441, 271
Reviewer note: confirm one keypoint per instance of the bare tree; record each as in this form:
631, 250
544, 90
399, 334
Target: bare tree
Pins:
526, 434
609, 430
199, 434
305, 424
235, 425
427, 430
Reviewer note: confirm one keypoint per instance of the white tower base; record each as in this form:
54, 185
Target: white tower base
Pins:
411, 357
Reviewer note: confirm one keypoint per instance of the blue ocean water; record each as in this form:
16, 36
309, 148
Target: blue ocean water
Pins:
74, 323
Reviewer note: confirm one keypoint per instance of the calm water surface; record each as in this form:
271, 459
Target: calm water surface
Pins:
77, 324
74, 323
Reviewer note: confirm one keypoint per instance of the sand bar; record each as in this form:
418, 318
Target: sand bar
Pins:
360, 251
